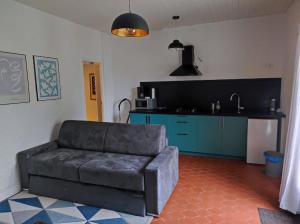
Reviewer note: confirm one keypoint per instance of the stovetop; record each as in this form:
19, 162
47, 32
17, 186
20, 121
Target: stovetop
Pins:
186, 110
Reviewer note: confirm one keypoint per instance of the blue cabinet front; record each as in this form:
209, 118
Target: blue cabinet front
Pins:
136, 118
160, 119
215, 135
234, 137
209, 135
183, 132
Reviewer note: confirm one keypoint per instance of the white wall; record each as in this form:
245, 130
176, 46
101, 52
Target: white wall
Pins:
31, 32
247, 48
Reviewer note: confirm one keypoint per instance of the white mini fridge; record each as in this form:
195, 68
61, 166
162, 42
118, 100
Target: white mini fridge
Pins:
262, 136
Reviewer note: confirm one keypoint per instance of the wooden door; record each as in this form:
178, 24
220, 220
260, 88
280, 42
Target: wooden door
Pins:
92, 87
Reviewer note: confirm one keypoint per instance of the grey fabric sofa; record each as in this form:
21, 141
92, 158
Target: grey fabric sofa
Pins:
126, 168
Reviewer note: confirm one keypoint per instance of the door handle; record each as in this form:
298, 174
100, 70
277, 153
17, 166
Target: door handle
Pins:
182, 134
182, 122
223, 123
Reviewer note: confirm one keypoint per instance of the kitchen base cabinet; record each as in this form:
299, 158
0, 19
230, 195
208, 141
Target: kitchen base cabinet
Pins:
183, 132
234, 136
161, 120
209, 135
206, 135
136, 118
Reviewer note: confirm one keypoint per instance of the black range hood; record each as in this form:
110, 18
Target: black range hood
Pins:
188, 68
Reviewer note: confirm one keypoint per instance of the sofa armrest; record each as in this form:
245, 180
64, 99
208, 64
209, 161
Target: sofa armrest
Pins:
161, 177
24, 158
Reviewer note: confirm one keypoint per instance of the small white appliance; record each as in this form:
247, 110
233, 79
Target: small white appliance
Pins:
262, 136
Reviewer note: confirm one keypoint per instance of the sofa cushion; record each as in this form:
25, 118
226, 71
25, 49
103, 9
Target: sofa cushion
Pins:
85, 135
116, 170
61, 163
135, 139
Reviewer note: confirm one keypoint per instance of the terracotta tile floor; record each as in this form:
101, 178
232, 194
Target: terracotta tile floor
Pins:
219, 191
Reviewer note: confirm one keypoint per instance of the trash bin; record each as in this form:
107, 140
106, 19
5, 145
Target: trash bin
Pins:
274, 163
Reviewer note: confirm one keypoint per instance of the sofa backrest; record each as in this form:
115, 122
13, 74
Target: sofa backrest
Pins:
83, 135
137, 139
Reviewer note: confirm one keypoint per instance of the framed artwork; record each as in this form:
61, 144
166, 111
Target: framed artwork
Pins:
13, 78
47, 78
93, 91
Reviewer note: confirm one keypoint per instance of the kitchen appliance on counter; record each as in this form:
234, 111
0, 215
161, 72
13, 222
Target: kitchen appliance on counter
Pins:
146, 99
262, 136
146, 103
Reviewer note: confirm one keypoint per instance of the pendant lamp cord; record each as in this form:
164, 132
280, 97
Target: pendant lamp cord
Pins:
129, 5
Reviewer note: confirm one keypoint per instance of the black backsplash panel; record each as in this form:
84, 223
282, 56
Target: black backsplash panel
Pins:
255, 93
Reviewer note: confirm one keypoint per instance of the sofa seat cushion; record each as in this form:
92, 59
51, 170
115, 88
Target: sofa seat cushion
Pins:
116, 170
62, 163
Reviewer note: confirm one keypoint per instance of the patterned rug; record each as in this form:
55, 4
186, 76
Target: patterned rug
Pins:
25, 208
277, 217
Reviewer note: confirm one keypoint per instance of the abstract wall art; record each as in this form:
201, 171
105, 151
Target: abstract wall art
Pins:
13, 79
47, 78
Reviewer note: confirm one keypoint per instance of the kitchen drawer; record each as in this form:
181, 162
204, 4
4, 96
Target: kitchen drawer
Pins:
183, 132
184, 141
184, 123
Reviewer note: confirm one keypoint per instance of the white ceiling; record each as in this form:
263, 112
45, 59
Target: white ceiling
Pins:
99, 14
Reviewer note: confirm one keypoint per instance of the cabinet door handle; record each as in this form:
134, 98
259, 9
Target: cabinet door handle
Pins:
182, 134
223, 123
182, 122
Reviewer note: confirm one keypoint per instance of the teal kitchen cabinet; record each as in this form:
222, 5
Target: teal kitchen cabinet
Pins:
160, 119
136, 118
182, 132
215, 135
209, 135
222, 135
234, 136
139, 118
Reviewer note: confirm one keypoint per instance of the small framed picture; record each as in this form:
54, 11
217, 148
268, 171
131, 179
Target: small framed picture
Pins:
14, 86
93, 91
47, 78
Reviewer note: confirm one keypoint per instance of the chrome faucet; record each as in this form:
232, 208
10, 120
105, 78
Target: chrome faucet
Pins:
239, 107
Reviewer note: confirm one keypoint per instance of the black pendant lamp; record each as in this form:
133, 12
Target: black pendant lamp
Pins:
130, 25
176, 44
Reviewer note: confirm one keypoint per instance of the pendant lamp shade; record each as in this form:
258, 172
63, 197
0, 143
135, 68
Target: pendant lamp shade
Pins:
130, 25
177, 45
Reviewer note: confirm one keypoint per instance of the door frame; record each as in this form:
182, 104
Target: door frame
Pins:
99, 87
